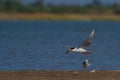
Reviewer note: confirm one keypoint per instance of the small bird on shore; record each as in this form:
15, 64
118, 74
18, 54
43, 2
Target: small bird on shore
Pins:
84, 45
86, 64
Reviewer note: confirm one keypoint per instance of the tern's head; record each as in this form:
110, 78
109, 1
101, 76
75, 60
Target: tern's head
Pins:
70, 50
86, 61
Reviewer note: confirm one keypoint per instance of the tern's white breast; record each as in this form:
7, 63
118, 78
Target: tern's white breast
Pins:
80, 50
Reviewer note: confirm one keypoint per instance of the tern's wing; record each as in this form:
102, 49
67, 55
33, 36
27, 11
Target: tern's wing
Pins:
88, 41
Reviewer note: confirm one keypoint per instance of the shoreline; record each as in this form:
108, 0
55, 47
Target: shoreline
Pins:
60, 75
66, 17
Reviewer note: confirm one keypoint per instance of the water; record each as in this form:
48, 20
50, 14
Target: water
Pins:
42, 45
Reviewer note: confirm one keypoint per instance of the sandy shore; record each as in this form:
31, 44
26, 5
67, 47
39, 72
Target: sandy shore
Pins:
48, 16
60, 75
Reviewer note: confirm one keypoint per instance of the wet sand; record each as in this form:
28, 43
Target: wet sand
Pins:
60, 75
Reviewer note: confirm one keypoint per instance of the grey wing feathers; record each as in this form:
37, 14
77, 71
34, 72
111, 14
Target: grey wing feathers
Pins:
88, 41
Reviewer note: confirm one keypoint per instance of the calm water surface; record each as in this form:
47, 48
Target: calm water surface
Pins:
42, 45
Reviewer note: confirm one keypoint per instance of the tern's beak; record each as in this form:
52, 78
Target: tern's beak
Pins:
68, 51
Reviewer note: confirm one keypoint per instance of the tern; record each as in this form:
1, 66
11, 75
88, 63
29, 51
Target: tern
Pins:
86, 64
84, 45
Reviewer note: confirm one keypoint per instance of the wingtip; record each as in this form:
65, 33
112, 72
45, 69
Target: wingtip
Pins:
93, 30
92, 33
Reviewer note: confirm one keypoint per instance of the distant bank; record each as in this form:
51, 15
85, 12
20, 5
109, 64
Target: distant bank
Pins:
47, 16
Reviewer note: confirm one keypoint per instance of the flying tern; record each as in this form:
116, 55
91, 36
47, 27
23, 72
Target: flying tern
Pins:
84, 45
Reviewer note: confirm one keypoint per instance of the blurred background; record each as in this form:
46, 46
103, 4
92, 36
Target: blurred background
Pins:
81, 7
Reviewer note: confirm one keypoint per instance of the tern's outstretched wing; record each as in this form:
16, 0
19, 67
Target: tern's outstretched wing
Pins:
88, 41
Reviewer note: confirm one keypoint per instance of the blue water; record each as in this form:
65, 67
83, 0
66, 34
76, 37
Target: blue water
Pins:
42, 45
